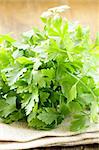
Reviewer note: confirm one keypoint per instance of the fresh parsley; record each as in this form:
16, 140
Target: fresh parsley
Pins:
50, 74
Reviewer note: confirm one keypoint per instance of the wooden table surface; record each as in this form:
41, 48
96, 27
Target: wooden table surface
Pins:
85, 147
20, 15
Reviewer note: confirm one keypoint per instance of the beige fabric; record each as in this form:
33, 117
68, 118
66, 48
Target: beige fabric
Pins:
45, 142
82, 142
19, 136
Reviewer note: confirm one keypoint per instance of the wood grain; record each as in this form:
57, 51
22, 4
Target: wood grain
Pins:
20, 15
84, 147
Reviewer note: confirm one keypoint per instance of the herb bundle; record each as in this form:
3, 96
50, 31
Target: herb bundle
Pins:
50, 74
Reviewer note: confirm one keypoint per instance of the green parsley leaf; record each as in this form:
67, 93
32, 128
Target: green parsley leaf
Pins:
48, 116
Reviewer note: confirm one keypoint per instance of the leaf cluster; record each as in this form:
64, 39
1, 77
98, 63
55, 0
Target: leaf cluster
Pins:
50, 74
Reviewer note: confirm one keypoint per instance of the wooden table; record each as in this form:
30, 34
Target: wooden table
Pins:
85, 147
20, 15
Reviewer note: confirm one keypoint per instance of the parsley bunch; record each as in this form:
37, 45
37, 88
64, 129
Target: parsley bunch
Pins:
50, 74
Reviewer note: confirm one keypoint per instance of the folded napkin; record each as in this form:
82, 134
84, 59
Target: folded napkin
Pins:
19, 136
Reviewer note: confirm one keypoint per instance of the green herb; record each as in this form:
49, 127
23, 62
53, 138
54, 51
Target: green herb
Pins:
50, 74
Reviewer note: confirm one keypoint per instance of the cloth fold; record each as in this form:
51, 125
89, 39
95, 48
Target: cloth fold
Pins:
19, 136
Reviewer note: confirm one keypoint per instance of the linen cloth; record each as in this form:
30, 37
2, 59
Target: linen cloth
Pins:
19, 136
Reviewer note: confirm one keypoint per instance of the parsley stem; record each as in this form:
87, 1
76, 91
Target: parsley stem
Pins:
79, 80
